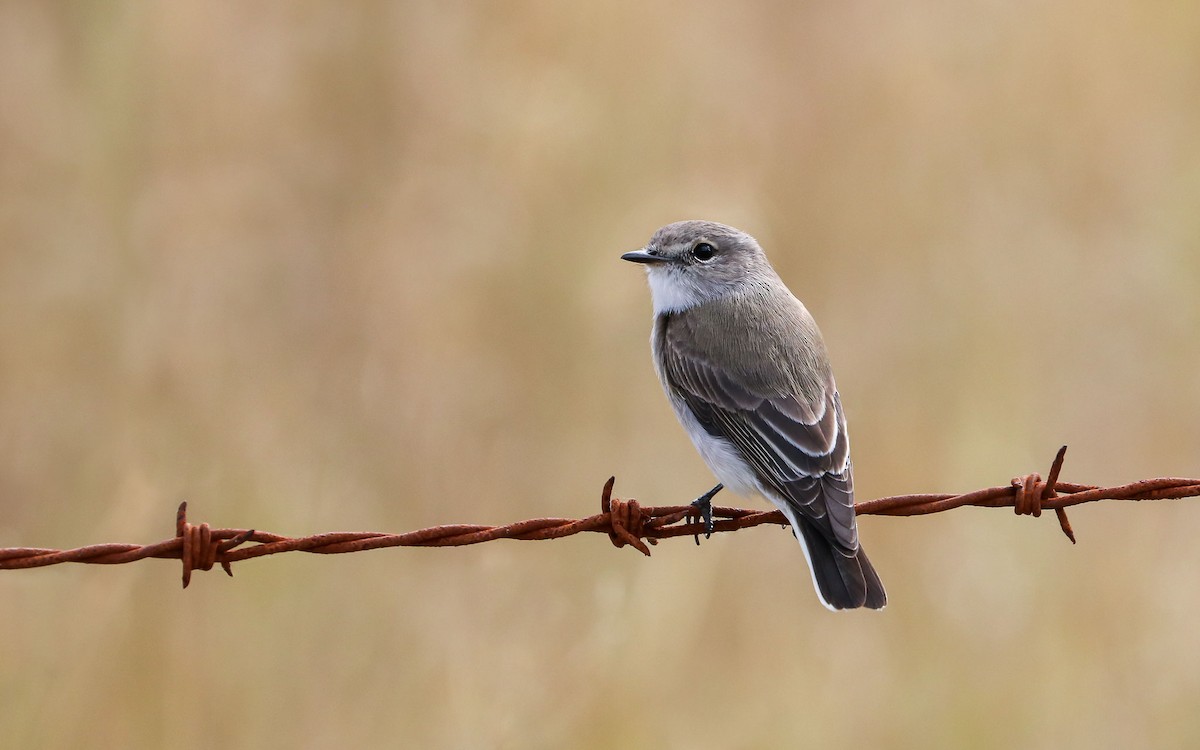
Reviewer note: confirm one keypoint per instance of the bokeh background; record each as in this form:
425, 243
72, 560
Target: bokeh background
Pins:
323, 266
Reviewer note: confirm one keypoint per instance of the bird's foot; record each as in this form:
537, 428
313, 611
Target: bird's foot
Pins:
703, 506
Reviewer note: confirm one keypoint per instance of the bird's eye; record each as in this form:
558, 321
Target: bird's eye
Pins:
703, 251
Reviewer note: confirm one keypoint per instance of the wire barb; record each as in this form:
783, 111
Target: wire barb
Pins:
626, 522
199, 550
1031, 491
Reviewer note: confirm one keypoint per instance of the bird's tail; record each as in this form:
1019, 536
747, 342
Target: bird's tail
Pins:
842, 581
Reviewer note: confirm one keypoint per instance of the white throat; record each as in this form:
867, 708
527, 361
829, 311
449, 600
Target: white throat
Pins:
671, 292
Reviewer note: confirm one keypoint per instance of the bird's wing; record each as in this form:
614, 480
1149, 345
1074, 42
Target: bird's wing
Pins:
798, 447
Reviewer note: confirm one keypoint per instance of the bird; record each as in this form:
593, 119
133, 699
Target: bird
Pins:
747, 373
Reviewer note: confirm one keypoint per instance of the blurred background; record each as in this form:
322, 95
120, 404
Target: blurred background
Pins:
320, 266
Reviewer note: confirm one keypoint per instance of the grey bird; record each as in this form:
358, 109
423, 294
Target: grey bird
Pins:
746, 370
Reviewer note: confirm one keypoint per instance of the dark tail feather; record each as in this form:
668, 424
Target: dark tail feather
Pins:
842, 582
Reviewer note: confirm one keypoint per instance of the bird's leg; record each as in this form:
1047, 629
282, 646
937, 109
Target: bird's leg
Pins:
703, 506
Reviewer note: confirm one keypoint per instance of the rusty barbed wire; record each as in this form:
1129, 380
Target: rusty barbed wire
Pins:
625, 521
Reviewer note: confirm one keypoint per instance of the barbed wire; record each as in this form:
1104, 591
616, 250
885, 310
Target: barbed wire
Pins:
626, 522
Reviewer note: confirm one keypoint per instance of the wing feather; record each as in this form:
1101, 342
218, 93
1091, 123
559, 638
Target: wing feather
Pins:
797, 445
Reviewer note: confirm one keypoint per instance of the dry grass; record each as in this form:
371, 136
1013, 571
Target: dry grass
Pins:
323, 266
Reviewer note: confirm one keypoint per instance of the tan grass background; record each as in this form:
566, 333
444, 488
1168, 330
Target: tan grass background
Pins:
336, 266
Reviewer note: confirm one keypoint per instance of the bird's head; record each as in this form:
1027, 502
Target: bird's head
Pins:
689, 263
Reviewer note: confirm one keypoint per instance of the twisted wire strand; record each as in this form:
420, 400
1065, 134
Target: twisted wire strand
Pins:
626, 522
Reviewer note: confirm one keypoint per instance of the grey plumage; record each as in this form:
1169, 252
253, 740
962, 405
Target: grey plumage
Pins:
746, 370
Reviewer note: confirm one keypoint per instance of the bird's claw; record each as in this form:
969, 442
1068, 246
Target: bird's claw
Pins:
703, 506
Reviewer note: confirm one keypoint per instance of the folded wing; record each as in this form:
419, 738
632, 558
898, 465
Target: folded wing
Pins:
797, 445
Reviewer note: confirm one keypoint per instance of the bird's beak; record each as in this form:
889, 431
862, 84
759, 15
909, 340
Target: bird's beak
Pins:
641, 256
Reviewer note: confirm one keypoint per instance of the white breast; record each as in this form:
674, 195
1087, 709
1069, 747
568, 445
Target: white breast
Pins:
722, 458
